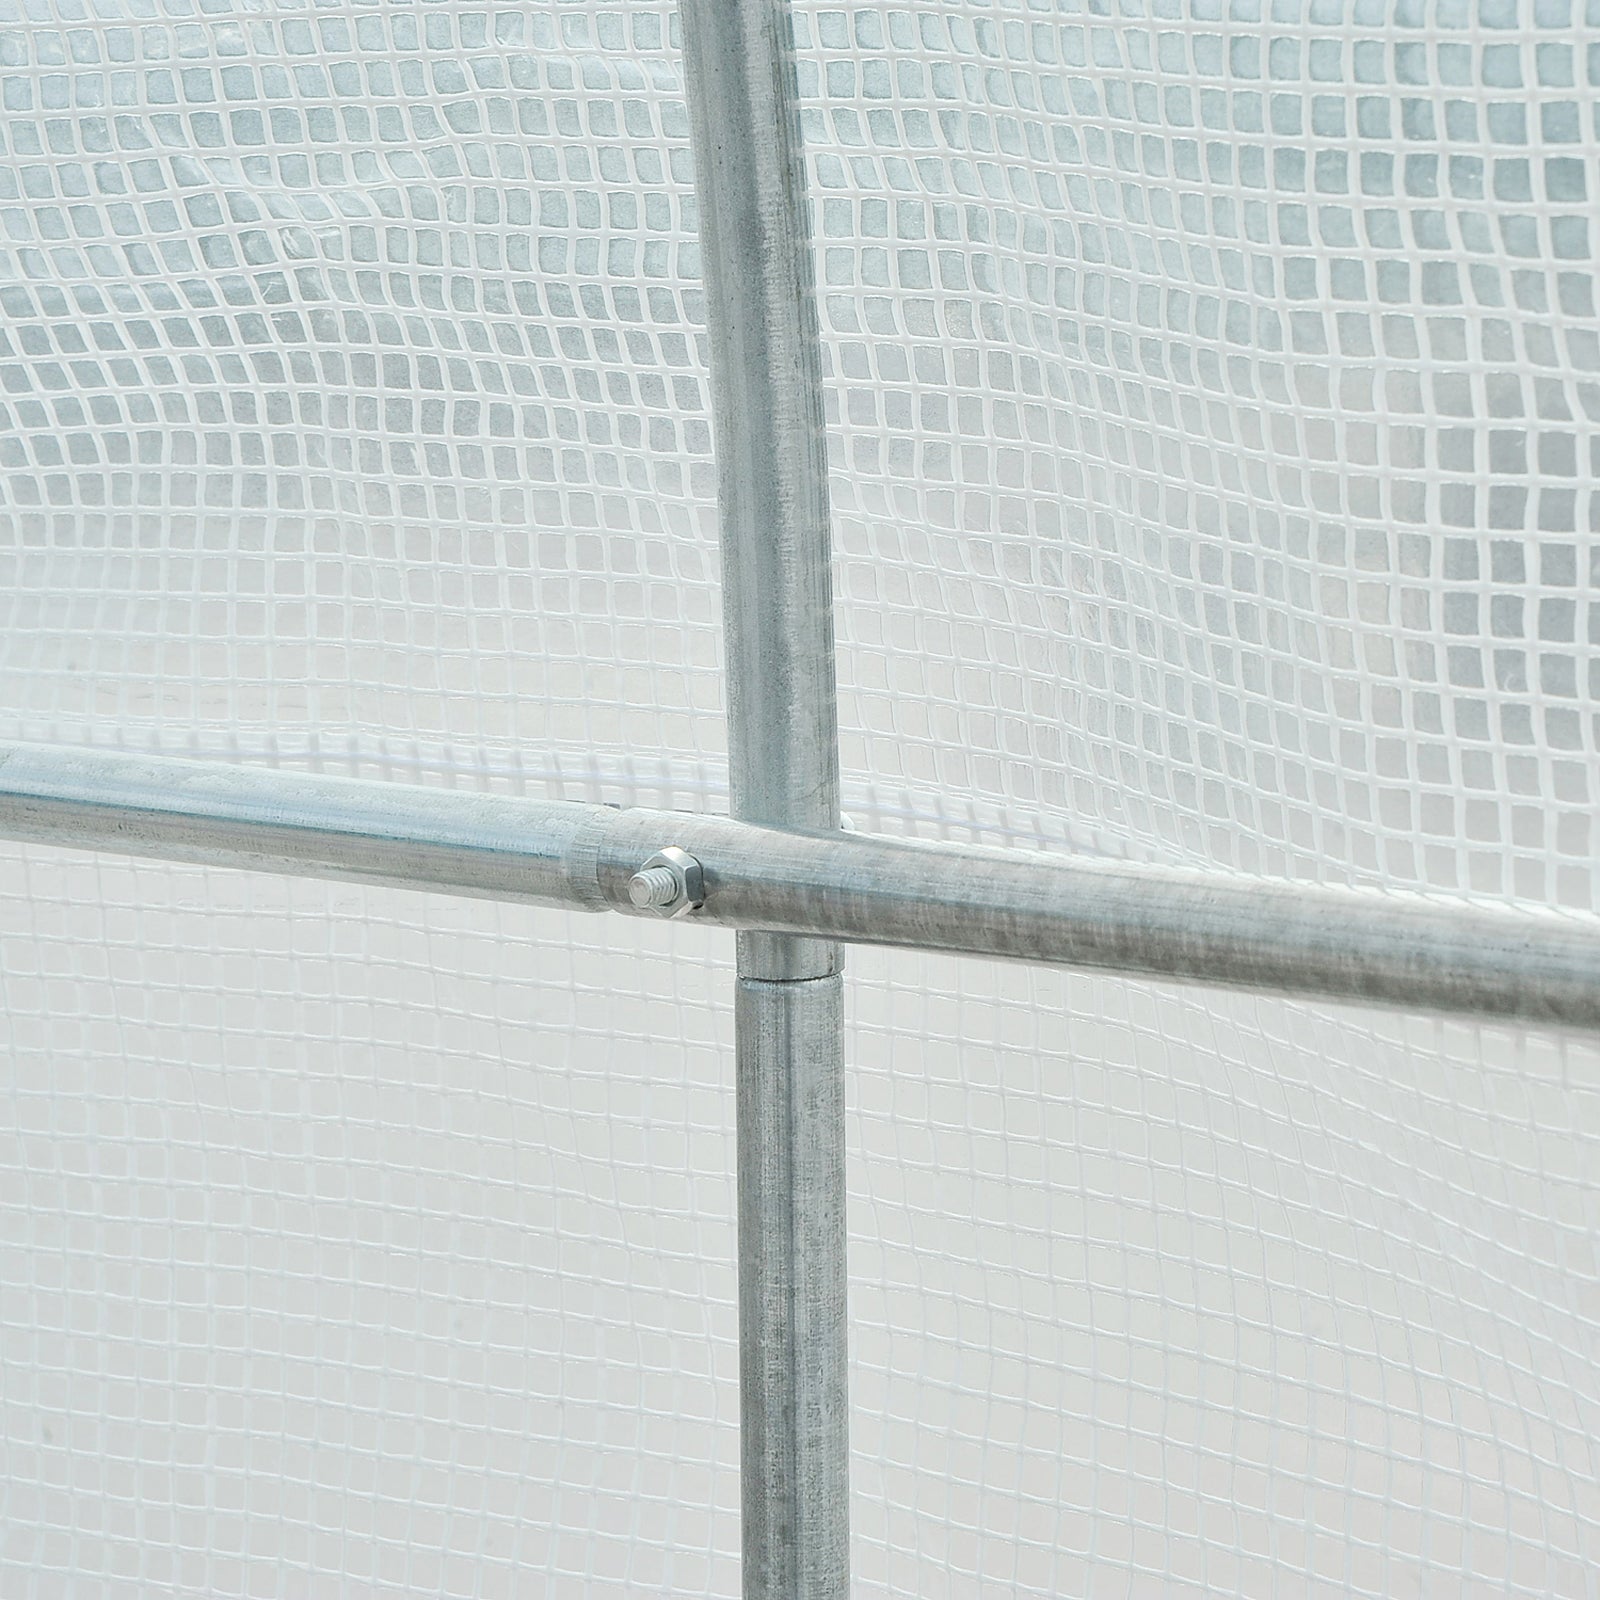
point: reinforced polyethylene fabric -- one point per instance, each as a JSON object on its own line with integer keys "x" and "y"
{"x": 1213, "y": 397}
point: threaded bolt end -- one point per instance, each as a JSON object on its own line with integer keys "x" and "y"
{"x": 653, "y": 889}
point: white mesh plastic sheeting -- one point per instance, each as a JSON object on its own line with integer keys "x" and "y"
{"x": 358, "y": 1242}
{"x": 1216, "y": 393}
{"x": 1156, "y": 1292}
{"x": 1213, "y": 393}
{"x": 354, "y": 410}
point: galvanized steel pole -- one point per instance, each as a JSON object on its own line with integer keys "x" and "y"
{"x": 783, "y": 752}
{"x": 1363, "y": 946}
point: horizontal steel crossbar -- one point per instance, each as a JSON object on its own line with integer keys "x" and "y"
{"x": 1281, "y": 938}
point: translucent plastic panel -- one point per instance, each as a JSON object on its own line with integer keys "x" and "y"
{"x": 358, "y": 1242}
{"x": 350, "y": 401}
{"x": 1157, "y": 1292}
{"x": 1215, "y": 394}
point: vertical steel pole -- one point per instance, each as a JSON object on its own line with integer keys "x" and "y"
{"x": 766, "y": 379}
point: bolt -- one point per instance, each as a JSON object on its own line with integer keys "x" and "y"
{"x": 653, "y": 889}
{"x": 670, "y": 883}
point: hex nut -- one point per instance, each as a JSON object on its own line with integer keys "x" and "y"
{"x": 670, "y": 884}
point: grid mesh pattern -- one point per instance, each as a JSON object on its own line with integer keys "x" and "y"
{"x": 365, "y": 343}
{"x": 1216, "y": 398}
{"x": 358, "y": 1242}
{"x": 1213, "y": 400}
{"x": 1161, "y": 1293}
